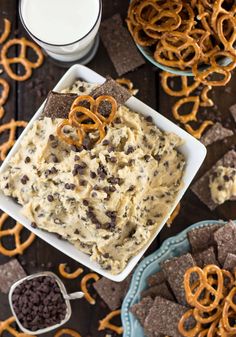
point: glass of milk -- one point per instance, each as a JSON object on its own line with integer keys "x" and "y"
{"x": 65, "y": 29}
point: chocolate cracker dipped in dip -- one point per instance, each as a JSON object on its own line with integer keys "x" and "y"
{"x": 107, "y": 200}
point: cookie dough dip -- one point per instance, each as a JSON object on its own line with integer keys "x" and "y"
{"x": 107, "y": 199}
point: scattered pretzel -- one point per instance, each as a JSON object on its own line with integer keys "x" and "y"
{"x": 22, "y": 58}
{"x": 185, "y": 90}
{"x": 11, "y": 126}
{"x": 4, "y": 95}
{"x": 190, "y": 116}
{"x": 173, "y": 215}
{"x": 105, "y": 323}
{"x": 205, "y": 100}
{"x": 15, "y": 231}
{"x": 6, "y": 326}
{"x": 128, "y": 84}
{"x": 71, "y": 276}
{"x": 197, "y": 133}
{"x": 6, "y": 31}
{"x": 69, "y": 332}
{"x": 85, "y": 279}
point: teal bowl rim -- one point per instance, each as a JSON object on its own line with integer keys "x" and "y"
{"x": 126, "y": 316}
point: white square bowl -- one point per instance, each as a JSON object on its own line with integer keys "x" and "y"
{"x": 192, "y": 149}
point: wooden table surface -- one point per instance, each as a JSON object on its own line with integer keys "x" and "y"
{"x": 26, "y": 97}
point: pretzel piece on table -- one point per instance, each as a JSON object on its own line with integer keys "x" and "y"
{"x": 21, "y": 59}
{"x": 16, "y": 232}
{"x": 68, "y": 332}
{"x": 197, "y": 133}
{"x": 11, "y": 126}
{"x": 105, "y": 323}
{"x": 6, "y": 31}
{"x": 204, "y": 99}
{"x": 85, "y": 279}
{"x": 190, "y": 116}
{"x": 71, "y": 276}
{"x": 173, "y": 215}
{"x": 5, "y": 91}
{"x": 185, "y": 90}
{"x": 6, "y": 326}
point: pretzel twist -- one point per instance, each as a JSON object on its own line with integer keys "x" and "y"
{"x": 22, "y": 59}
{"x": 5, "y": 326}
{"x": 105, "y": 323}
{"x": 70, "y": 276}
{"x": 197, "y": 133}
{"x": 190, "y": 116}
{"x": 12, "y": 127}
{"x": 68, "y": 332}
{"x": 16, "y": 232}
{"x": 85, "y": 279}
{"x": 6, "y": 31}
{"x": 185, "y": 89}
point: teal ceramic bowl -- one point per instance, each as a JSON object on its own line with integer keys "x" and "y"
{"x": 173, "y": 246}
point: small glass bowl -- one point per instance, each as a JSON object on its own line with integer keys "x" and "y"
{"x": 67, "y": 298}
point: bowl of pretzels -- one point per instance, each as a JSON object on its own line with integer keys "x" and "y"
{"x": 192, "y": 38}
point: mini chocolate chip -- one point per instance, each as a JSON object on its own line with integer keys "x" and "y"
{"x": 149, "y": 119}
{"x": 72, "y": 186}
{"x": 111, "y": 149}
{"x": 54, "y": 170}
{"x": 82, "y": 88}
{"x": 83, "y": 182}
{"x": 51, "y": 137}
{"x": 24, "y": 179}
{"x": 149, "y": 222}
{"x": 34, "y": 225}
{"x": 129, "y": 150}
{"x": 94, "y": 194}
{"x": 147, "y": 158}
{"x": 117, "y": 120}
{"x": 67, "y": 186}
{"x": 85, "y": 202}
{"x": 93, "y": 175}
{"x": 105, "y": 142}
{"x": 226, "y": 178}
{"x": 74, "y": 148}
{"x": 7, "y": 186}
{"x": 113, "y": 160}
{"x": 54, "y": 158}
{"x": 50, "y": 198}
{"x": 27, "y": 160}
{"x": 96, "y": 188}
{"x": 77, "y": 158}
{"x": 131, "y": 188}
{"x": 220, "y": 188}
{"x": 54, "y": 144}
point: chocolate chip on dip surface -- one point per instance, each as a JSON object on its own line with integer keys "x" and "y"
{"x": 38, "y": 303}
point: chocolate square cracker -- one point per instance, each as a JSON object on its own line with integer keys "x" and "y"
{"x": 112, "y": 88}
{"x": 164, "y": 317}
{"x": 10, "y": 272}
{"x": 158, "y": 290}
{"x": 206, "y": 257}
{"x": 225, "y": 238}
{"x": 232, "y": 110}
{"x": 156, "y": 278}
{"x": 202, "y": 238}
{"x": 201, "y": 186}
{"x": 215, "y": 133}
{"x": 230, "y": 262}
{"x": 141, "y": 309}
{"x": 112, "y": 292}
{"x": 174, "y": 270}
{"x": 120, "y": 45}
{"x": 58, "y": 105}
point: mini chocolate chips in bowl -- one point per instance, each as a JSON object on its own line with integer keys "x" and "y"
{"x": 40, "y": 303}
